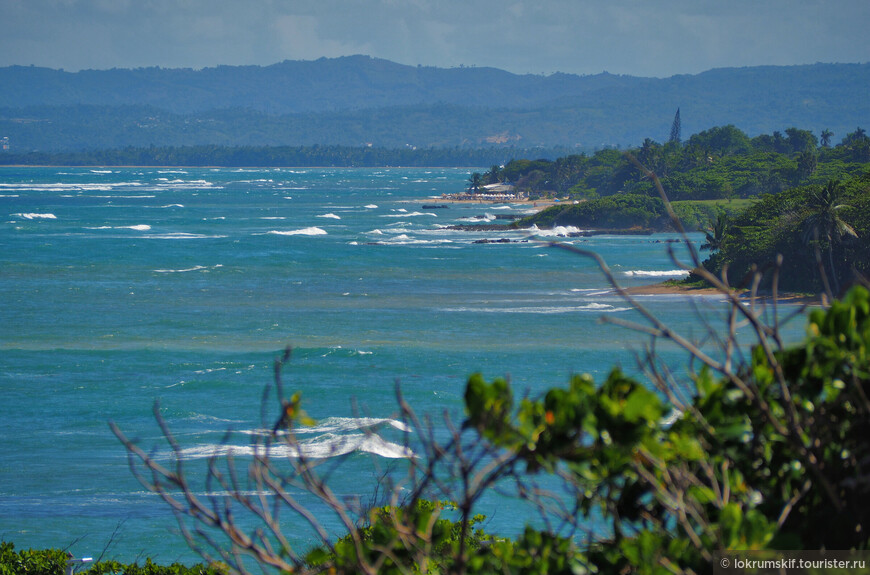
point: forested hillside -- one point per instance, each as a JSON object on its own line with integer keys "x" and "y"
{"x": 355, "y": 101}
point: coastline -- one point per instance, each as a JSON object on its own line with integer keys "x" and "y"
{"x": 539, "y": 204}
{"x": 670, "y": 289}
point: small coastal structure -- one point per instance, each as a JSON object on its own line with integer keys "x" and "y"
{"x": 489, "y": 193}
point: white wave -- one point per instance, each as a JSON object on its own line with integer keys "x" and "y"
{"x": 36, "y": 216}
{"x": 193, "y": 269}
{"x": 370, "y": 206}
{"x": 273, "y": 217}
{"x": 117, "y": 197}
{"x": 335, "y": 436}
{"x": 543, "y": 310}
{"x": 138, "y": 228}
{"x": 409, "y": 215}
{"x": 101, "y": 171}
{"x": 172, "y": 206}
{"x": 557, "y": 231}
{"x": 9, "y": 196}
{"x": 312, "y": 231}
{"x": 652, "y": 273}
{"x": 376, "y": 232}
{"x": 405, "y": 240}
{"x": 340, "y": 424}
{"x": 483, "y": 218}
{"x": 180, "y": 236}
{"x": 331, "y": 216}
{"x": 328, "y": 445}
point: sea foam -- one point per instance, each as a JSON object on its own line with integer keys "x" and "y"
{"x": 36, "y": 216}
{"x": 312, "y": 231}
{"x": 655, "y": 273}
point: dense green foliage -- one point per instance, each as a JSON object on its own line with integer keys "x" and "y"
{"x": 719, "y": 163}
{"x": 622, "y": 211}
{"x": 53, "y": 562}
{"x": 822, "y": 232}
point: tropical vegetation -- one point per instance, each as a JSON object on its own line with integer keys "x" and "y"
{"x": 754, "y": 198}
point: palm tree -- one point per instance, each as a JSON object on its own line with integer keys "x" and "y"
{"x": 714, "y": 235}
{"x": 826, "y": 138}
{"x": 474, "y": 182}
{"x": 823, "y": 221}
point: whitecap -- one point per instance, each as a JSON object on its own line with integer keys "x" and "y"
{"x": 543, "y": 310}
{"x": 193, "y": 269}
{"x": 483, "y": 218}
{"x": 371, "y": 206}
{"x": 409, "y": 215}
{"x": 331, "y": 441}
{"x": 556, "y": 231}
{"x": 312, "y": 231}
{"x": 36, "y": 216}
{"x": 331, "y": 216}
{"x": 654, "y": 273}
{"x": 138, "y": 228}
{"x": 180, "y": 236}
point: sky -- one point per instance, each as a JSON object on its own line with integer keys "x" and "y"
{"x": 637, "y": 37}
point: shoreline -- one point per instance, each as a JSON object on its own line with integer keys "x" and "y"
{"x": 783, "y": 297}
{"x": 540, "y": 204}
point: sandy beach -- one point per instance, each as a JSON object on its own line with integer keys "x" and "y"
{"x": 670, "y": 289}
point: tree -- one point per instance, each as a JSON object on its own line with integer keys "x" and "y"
{"x": 676, "y": 129}
{"x": 822, "y": 220}
{"x": 475, "y": 181}
{"x": 826, "y": 138}
{"x": 714, "y": 235}
{"x": 807, "y": 161}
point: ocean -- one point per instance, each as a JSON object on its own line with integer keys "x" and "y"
{"x": 124, "y": 287}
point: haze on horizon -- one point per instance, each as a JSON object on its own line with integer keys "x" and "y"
{"x": 632, "y": 37}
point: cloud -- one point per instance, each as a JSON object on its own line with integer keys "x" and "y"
{"x": 541, "y": 36}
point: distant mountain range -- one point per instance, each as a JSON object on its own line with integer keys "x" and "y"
{"x": 359, "y": 100}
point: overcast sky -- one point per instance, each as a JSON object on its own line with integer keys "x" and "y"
{"x": 637, "y": 37}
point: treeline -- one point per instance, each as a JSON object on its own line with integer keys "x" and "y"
{"x": 802, "y": 199}
{"x": 822, "y": 232}
{"x": 277, "y": 156}
{"x": 719, "y": 163}
{"x": 57, "y": 561}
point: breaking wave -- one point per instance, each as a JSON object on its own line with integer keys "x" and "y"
{"x": 312, "y": 231}
{"x": 36, "y": 216}
{"x": 653, "y": 273}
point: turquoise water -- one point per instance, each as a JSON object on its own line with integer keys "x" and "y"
{"x": 122, "y": 287}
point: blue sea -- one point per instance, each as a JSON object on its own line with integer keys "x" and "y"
{"x": 120, "y": 288}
